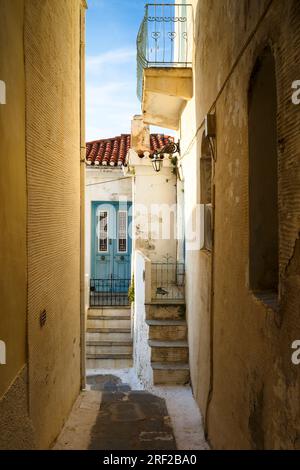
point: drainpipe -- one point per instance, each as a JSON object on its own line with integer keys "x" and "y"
{"x": 83, "y": 8}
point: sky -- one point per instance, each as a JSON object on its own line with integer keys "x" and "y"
{"x": 111, "y": 101}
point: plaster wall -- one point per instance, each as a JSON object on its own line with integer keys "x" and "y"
{"x": 241, "y": 350}
{"x": 14, "y": 431}
{"x": 13, "y": 192}
{"x": 141, "y": 348}
{"x": 154, "y": 211}
{"x": 52, "y": 67}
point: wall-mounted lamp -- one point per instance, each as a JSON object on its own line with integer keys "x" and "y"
{"x": 157, "y": 162}
{"x": 158, "y": 155}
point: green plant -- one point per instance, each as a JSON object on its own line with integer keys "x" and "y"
{"x": 131, "y": 291}
{"x": 174, "y": 161}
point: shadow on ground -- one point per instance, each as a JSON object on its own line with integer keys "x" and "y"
{"x": 129, "y": 420}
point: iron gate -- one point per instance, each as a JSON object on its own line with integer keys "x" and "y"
{"x": 109, "y": 292}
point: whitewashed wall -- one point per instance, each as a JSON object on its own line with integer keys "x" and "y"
{"x": 153, "y": 195}
{"x": 141, "y": 349}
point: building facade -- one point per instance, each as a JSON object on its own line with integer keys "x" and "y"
{"x": 239, "y": 142}
{"x": 120, "y": 179}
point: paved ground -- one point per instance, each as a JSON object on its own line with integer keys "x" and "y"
{"x": 111, "y": 416}
{"x": 132, "y": 421}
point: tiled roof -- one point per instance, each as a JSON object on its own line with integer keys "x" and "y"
{"x": 112, "y": 152}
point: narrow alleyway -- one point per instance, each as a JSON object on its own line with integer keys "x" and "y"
{"x": 116, "y": 413}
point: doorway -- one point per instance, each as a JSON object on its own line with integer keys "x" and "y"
{"x": 111, "y": 244}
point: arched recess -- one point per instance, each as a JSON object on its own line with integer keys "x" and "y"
{"x": 206, "y": 167}
{"x": 263, "y": 176}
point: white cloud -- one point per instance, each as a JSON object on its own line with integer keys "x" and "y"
{"x": 110, "y": 108}
{"x": 114, "y": 94}
{"x": 112, "y": 57}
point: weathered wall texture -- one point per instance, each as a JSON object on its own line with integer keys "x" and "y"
{"x": 13, "y": 431}
{"x": 141, "y": 348}
{"x": 16, "y": 427}
{"x": 154, "y": 210}
{"x": 255, "y": 388}
{"x": 52, "y": 53}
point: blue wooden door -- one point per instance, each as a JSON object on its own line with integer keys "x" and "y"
{"x": 111, "y": 246}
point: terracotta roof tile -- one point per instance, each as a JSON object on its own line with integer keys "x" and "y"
{"x": 112, "y": 152}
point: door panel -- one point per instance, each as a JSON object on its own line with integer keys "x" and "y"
{"x": 111, "y": 245}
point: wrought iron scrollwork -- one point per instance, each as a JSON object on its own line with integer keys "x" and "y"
{"x": 170, "y": 148}
{"x": 163, "y": 38}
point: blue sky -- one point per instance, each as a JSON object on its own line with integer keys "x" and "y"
{"x": 111, "y": 100}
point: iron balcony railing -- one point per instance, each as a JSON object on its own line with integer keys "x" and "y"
{"x": 164, "y": 38}
{"x": 168, "y": 280}
{"x": 109, "y": 292}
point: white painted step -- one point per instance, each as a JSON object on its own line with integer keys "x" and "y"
{"x": 108, "y": 347}
{"x": 112, "y": 335}
{"x": 109, "y": 311}
{"x": 108, "y": 363}
{"x": 103, "y": 321}
{"x": 109, "y": 356}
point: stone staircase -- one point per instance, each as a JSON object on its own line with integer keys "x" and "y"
{"x": 108, "y": 338}
{"x": 168, "y": 343}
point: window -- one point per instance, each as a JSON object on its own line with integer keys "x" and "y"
{"x": 263, "y": 179}
{"x": 206, "y": 192}
{"x": 122, "y": 231}
{"x": 103, "y": 236}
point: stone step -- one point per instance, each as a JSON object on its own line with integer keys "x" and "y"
{"x": 108, "y": 347}
{"x": 109, "y": 363}
{"x": 166, "y": 311}
{"x": 109, "y": 311}
{"x": 170, "y": 373}
{"x": 167, "y": 330}
{"x": 108, "y": 317}
{"x": 108, "y": 322}
{"x": 109, "y": 356}
{"x": 108, "y": 330}
{"x": 169, "y": 351}
{"x": 114, "y": 334}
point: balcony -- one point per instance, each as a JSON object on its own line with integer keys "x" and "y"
{"x": 164, "y": 63}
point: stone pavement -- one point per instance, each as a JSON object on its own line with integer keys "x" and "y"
{"x": 113, "y": 417}
{"x": 132, "y": 420}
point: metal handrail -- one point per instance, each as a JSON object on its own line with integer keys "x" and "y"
{"x": 164, "y": 38}
{"x": 168, "y": 280}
